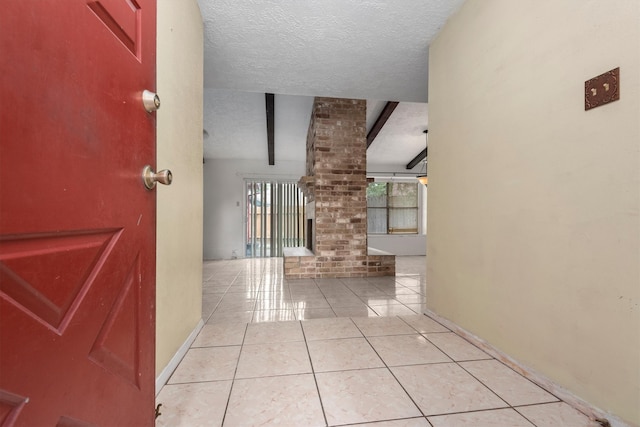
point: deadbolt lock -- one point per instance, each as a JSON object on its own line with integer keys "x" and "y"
{"x": 151, "y": 101}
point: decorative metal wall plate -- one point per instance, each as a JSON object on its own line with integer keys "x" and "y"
{"x": 602, "y": 89}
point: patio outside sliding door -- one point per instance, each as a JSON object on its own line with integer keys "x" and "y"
{"x": 275, "y": 217}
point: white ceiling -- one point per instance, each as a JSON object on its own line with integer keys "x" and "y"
{"x": 367, "y": 49}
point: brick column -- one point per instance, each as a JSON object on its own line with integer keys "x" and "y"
{"x": 337, "y": 182}
{"x": 339, "y": 147}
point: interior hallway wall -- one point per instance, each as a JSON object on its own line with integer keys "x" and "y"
{"x": 179, "y": 142}
{"x": 533, "y": 217}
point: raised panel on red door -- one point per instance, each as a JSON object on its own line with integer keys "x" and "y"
{"x": 77, "y": 226}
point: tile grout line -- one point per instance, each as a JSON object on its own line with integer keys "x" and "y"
{"x": 223, "y": 295}
{"x": 390, "y": 371}
{"x": 233, "y": 379}
{"x": 354, "y": 292}
{"x": 325, "y": 296}
{"x": 505, "y": 365}
{"x": 454, "y": 361}
{"x": 510, "y": 405}
{"x": 313, "y": 374}
{"x": 484, "y": 385}
{"x": 477, "y": 411}
{"x": 536, "y": 404}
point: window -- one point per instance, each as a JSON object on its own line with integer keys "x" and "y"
{"x": 392, "y": 208}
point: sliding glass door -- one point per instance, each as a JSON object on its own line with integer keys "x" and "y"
{"x": 275, "y": 217}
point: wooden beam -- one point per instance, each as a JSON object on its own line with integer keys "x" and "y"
{"x": 417, "y": 159}
{"x": 382, "y": 119}
{"x": 420, "y": 157}
{"x": 269, "y": 101}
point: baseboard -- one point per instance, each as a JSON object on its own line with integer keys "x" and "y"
{"x": 581, "y": 405}
{"x": 162, "y": 379}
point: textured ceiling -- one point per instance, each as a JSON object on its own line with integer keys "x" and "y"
{"x": 237, "y": 126}
{"x": 367, "y": 49}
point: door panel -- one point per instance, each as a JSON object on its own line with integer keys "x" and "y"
{"x": 123, "y": 19}
{"x": 77, "y": 226}
{"x": 47, "y": 276}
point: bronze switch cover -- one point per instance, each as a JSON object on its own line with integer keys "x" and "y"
{"x": 602, "y": 89}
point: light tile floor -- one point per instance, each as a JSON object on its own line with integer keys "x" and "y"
{"x": 340, "y": 352}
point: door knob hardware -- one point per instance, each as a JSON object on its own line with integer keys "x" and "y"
{"x": 150, "y": 178}
{"x": 151, "y": 101}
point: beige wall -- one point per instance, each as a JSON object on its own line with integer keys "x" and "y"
{"x": 533, "y": 202}
{"x": 179, "y": 235}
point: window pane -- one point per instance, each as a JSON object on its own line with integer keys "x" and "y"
{"x": 393, "y": 205}
{"x": 377, "y": 220}
{"x": 403, "y": 195}
{"x": 403, "y": 220}
{"x": 377, "y": 194}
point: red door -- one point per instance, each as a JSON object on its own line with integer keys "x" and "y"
{"x": 77, "y": 226}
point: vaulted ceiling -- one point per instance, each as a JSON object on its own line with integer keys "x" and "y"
{"x": 297, "y": 49}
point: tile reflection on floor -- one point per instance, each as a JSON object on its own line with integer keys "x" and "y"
{"x": 254, "y": 290}
{"x": 340, "y": 352}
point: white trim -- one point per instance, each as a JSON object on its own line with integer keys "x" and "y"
{"x": 162, "y": 379}
{"x": 579, "y": 404}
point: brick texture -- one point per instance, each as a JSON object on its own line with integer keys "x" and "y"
{"x": 336, "y": 182}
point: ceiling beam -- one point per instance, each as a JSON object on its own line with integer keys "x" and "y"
{"x": 417, "y": 159}
{"x": 382, "y": 119}
{"x": 269, "y": 103}
{"x": 420, "y": 157}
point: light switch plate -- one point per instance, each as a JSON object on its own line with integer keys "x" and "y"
{"x": 602, "y": 89}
